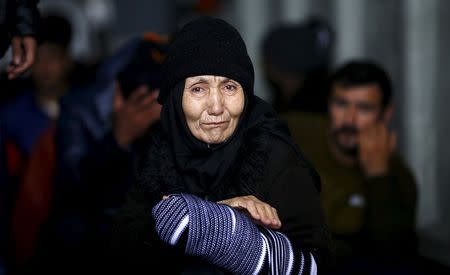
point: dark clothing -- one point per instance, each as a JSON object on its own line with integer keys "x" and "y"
{"x": 24, "y": 121}
{"x": 17, "y": 17}
{"x": 372, "y": 218}
{"x": 5, "y": 204}
{"x": 90, "y": 181}
{"x": 33, "y": 200}
{"x": 265, "y": 165}
{"x": 93, "y": 173}
{"x": 310, "y": 97}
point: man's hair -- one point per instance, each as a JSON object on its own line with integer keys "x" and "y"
{"x": 56, "y": 29}
{"x": 299, "y": 48}
{"x": 363, "y": 72}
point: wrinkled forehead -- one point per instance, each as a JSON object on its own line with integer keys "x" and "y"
{"x": 209, "y": 79}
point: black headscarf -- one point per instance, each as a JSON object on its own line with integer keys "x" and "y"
{"x": 204, "y": 166}
{"x": 181, "y": 162}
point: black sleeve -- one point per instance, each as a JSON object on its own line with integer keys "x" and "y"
{"x": 391, "y": 209}
{"x": 291, "y": 188}
{"x": 27, "y": 18}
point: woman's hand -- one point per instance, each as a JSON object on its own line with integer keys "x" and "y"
{"x": 260, "y": 211}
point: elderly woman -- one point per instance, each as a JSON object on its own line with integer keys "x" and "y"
{"x": 221, "y": 187}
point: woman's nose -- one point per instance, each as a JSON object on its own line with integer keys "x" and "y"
{"x": 215, "y": 102}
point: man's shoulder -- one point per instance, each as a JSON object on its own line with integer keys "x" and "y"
{"x": 23, "y": 98}
{"x": 88, "y": 108}
{"x": 84, "y": 95}
{"x": 19, "y": 107}
{"x": 400, "y": 166}
{"x": 91, "y": 100}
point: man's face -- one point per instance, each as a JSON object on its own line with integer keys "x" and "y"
{"x": 351, "y": 110}
{"x": 212, "y": 106}
{"x": 51, "y": 67}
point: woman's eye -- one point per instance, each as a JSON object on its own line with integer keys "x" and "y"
{"x": 196, "y": 90}
{"x": 230, "y": 87}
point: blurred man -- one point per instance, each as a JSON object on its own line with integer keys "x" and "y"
{"x": 18, "y": 26}
{"x": 368, "y": 192}
{"x": 96, "y": 137}
{"x": 296, "y": 59}
{"x": 24, "y": 118}
{"x": 38, "y": 107}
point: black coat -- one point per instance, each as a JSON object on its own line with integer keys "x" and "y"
{"x": 17, "y": 17}
{"x": 270, "y": 169}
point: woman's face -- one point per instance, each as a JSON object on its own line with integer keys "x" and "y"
{"x": 212, "y": 106}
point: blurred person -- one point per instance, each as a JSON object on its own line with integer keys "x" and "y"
{"x": 296, "y": 59}
{"x": 24, "y": 118}
{"x": 220, "y": 187}
{"x": 39, "y": 107}
{"x": 368, "y": 192}
{"x": 19, "y": 21}
{"x": 97, "y": 136}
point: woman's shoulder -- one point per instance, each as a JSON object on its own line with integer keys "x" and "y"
{"x": 153, "y": 137}
{"x": 286, "y": 156}
{"x": 275, "y": 140}
{"x": 285, "y": 153}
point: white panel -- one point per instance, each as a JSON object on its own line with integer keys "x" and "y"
{"x": 419, "y": 112}
{"x": 350, "y": 25}
{"x": 255, "y": 17}
{"x": 294, "y": 10}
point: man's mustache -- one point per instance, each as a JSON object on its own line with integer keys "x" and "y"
{"x": 346, "y": 129}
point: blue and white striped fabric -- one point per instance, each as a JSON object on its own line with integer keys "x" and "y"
{"x": 227, "y": 238}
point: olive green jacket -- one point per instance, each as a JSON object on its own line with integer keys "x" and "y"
{"x": 368, "y": 217}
